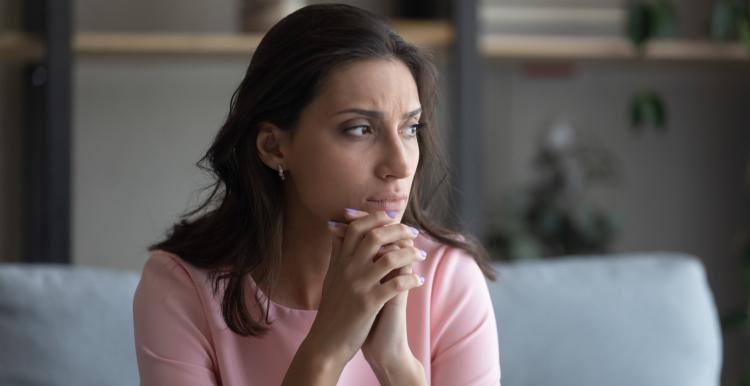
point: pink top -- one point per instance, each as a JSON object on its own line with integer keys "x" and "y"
{"x": 181, "y": 337}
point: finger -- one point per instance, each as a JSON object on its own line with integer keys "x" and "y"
{"x": 397, "y": 285}
{"x": 337, "y": 228}
{"x": 392, "y": 247}
{"x": 399, "y": 271}
{"x": 385, "y": 249}
{"x": 335, "y": 251}
{"x": 405, "y": 243}
{"x": 392, "y": 262}
{"x": 376, "y": 238}
{"x": 356, "y": 230}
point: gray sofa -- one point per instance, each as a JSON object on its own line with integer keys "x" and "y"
{"x": 640, "y": 319}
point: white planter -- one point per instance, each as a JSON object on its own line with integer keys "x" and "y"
{"x": 547, "y": 17}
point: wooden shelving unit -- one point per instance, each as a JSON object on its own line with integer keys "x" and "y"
{"x": 435, "y": 35}
{"x": 20, "y": 47}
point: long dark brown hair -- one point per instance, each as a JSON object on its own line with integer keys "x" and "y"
{"x": 236, "y": 231}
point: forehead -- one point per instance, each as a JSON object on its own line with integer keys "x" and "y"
{"x": 383, "y": 84}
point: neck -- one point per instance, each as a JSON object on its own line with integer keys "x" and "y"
{"x": 306, "y": 250}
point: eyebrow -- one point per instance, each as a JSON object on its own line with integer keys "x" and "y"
{"x": 378, "y": 114}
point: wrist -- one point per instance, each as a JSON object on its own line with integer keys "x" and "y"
{"x": 311, "y": 366}
{"x": 402, "y": 370}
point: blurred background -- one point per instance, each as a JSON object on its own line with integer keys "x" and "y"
{"x": 574, "y": 126}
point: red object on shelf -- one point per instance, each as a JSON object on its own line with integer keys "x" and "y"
{"x": 549, "y": 70}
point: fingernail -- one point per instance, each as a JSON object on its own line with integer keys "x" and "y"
{"x": 423, "y": 254}
{"x": 413, "y": 231}
{"x": 392, "y": 213}
{"x": 354, "y": 212}
{"x": 332, "y": 224}
{"x": 421, "y": 279}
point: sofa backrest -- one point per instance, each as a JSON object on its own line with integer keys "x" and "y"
{"x": 616, "y": 320}
{"x": 646, "y": 319}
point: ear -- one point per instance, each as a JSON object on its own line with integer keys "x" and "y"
{"x": 271, "y": 143}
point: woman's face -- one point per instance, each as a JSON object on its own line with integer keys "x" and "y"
{"x": 355, "y": 145}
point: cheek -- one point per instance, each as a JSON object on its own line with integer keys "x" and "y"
{"x": 414, "y": 157}
{"x": 327, "y": 183}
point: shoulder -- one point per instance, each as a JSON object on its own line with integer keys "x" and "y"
{"x": 168, "y": 264}
{"x": 167, "y": 275}
{"x": 171, "y": 323}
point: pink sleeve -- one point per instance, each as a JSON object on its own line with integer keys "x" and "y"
{"x": 464, "y": 333}
{"x": 171, "y": 331}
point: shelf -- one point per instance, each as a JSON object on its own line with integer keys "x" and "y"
{"x": 16, "y": 46}
{"x": 607, "y": 48}
{"x": 164, "y": 44}
{"x": 427, "y": 34}
{"x": 434, "y": 35}
{"x": 430, "y": 34}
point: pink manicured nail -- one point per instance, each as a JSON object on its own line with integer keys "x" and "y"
{"x": 423, "y": 254}
{"x": 413, "y": 231}
{"x": 391, "y": 213}
{"x": 421, "y": 279}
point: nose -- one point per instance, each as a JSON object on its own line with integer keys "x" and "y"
{"x": 395, "y": 156}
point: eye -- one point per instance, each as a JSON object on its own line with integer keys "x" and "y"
{"x": 411, "y": 131}
{"x": 358, "y": 131}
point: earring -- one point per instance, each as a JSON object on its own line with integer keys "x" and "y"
{"x": 281, "y": 171}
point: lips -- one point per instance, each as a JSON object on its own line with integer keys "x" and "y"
{"x": 389, "y": 197}
{"x": 387, "y": 202}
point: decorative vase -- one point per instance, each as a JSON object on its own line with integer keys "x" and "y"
{"x": 260, "y": 15}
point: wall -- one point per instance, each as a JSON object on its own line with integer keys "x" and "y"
{"x": 684, "y": 189}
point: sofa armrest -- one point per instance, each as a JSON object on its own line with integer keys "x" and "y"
{"x": 66, "y": 325}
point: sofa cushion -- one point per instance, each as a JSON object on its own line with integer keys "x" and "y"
{"x": 63, "y": 325}
{"x": 617, "y": 320}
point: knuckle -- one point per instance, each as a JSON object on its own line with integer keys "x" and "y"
{"x": 389, "y": 259}
{"x": 355, "y": 228}
{"x": 400, "y": 283}
{"x": 376, "y": 236}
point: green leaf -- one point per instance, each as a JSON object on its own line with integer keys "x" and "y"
{"x": 744, "y": 27}
{"x": 745, "y": 380}
{"x": 636, "y": 116}
{"x": 664, "y": 19}
{"x": 733, "y": 320}
{"x": 723, "y": 20}
{"x": 660, "y": 112}
{"x": 639, "y": 28}
{"x": 648, "y": 109}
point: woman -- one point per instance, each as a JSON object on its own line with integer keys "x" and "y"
{"x": 313, "y": 261}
